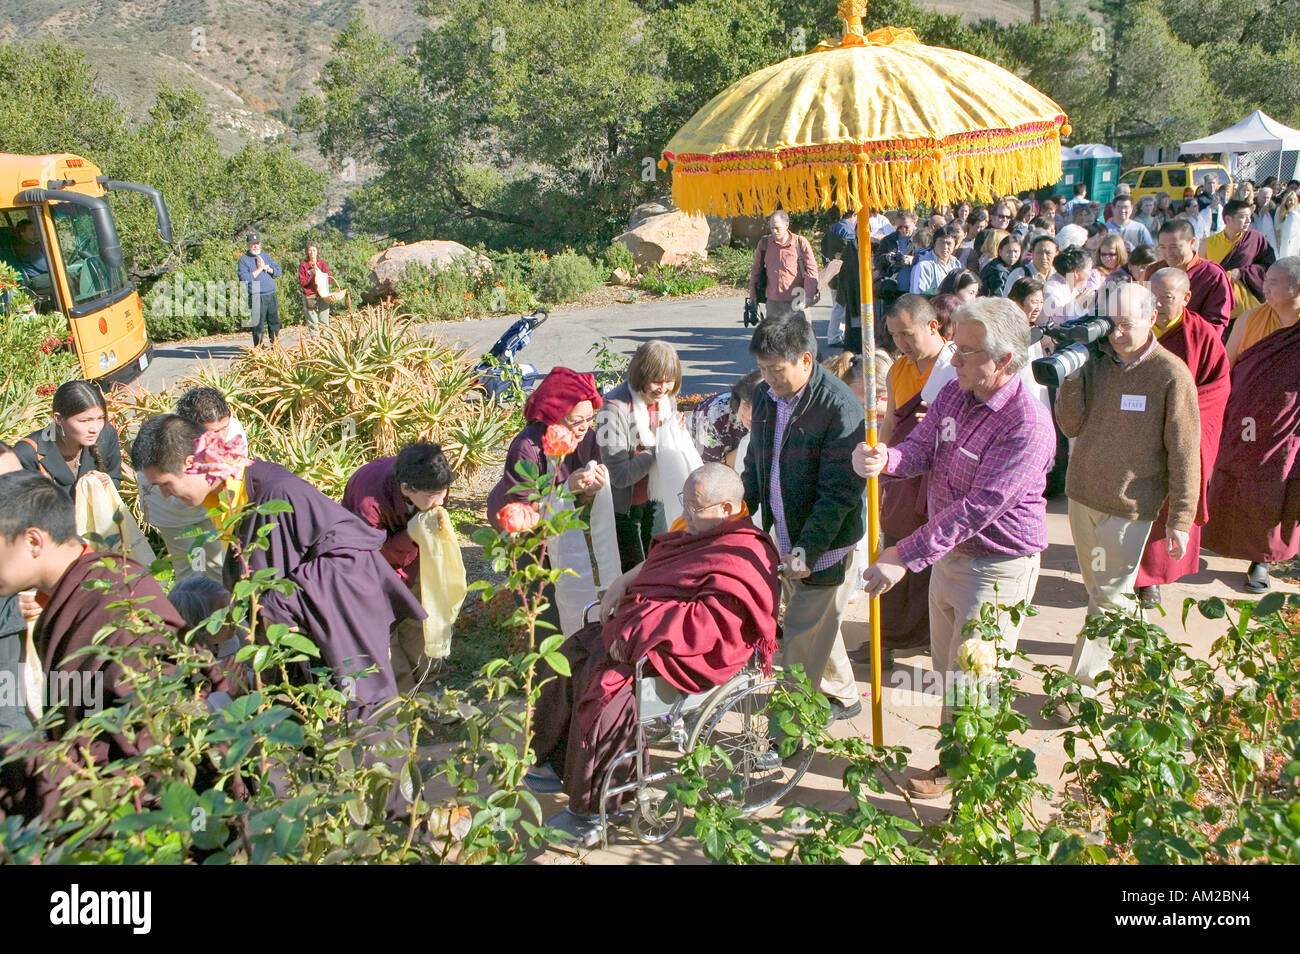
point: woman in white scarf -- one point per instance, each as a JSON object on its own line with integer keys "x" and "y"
{"x": 646, "y": 448}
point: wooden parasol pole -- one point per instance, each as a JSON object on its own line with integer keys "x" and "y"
{"x": 873, "y": 485}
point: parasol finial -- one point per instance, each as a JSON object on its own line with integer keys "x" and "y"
{"x": 852, "y": 13}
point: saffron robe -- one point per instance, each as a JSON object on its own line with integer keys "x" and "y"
{"x": 1255, "y": 489}
{"x": 1198, "y": 343}
{"x": 697, "y": 611}
{"x": 348, "y": 597}
{"x": 1252, "y": 255}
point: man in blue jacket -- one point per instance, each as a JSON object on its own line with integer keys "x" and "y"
{"x": 257, "y": 275}
{"x": 799, "y": 470}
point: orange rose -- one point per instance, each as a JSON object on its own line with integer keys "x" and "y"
{"x": 559, "y": 441}
{"x": 517, "y": 517}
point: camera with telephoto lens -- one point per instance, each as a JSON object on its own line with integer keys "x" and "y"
{"x": 1076, "y": 345}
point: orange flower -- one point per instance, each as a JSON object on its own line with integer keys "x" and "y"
{"x": 559, "y": 441}
{"x": 517, "y": 517}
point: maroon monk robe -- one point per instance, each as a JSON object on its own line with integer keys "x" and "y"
{"x": 348, "y": 597}
{"x": 373, "y": 495}
{"x": 72, "y": 616}
{"x": 1255, "y": 489}
{"x": 1211, "y": 291}
{"x": 700, "y": 607}
{"x": 905, "y": 608}
{"x": 1197, "y": 342}
{"x": 1252, "y": 255}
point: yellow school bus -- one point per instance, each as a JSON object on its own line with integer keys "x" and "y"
{"x": 57, "y": 230}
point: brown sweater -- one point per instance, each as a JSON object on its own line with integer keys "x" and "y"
{"x": 1137, "y": 434}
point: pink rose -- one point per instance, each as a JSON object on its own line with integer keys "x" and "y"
{"x": 217, "y": 458}
{"x": 559, "y": 441}
{"x": 516, "y": 517}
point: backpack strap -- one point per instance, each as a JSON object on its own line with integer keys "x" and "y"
{"x": 37, "y": 451}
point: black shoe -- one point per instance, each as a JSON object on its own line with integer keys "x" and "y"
{"x": 1148, "y": 596}
{"x": 840, "y": 711}
{"x": 1257, "y": 578}
{"x": 863, "y": 655}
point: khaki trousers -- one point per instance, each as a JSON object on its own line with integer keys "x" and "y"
{"x": 812, "y": 634}
{"x": 203, "y": 555}
{"x": 1109, "y": 550}
{"x": 959, "y": 586}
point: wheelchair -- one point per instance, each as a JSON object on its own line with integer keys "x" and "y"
{"x": 733, "y": 717}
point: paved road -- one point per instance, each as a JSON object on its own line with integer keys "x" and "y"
{"x": 706, "y": 332}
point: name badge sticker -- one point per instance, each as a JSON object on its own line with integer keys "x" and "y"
{"x": 1133, "y": 402}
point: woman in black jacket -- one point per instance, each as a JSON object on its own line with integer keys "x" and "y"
{"x": 77, "y": 441}
{"x": 993, "y": 279}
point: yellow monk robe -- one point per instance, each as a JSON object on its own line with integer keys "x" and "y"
{"x": 1217, "y": 247}
{"x": 1260, "y": 322}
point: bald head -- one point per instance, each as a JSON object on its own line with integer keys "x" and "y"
{"x": 713, "y": 494}
{"x": 1172, "y": 291}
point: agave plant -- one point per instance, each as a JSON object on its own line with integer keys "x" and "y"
{"x": 478, "y": 437}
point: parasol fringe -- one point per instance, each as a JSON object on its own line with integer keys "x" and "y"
{"x": 734, "y": 186}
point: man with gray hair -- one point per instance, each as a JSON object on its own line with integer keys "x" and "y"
{"x": 987, "y": 444}
{"x": 784, "y": 273}
{"x": 1133, "y": 415}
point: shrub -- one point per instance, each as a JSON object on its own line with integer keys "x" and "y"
{"x": 732, "y": 265}
{"x": 443, "y": 294}
{"x": 566, "y": 277}
{"x": 619, "y": 255}
{"x": 677, "y": 279}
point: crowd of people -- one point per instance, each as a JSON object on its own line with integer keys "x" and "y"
{"x": 705, "y": 529}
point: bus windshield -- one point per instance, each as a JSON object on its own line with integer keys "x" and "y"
{"x": 89, "y": 278}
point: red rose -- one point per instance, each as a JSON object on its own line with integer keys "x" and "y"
{"x": 559, "y": 441}
{"x": 516, "y": 517}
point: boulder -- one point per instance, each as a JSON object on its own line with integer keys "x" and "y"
{"x": 748, "y": 229}
{"x": 719, "y": 231}
{"x": 648, "y": 210}
{"x": 622, "y": 276}
{"x": 387, "y": 267}
{"x": 671, "y": 238}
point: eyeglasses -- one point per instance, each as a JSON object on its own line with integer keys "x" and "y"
{"x": 959, "y": 356}
{"x": 681, "y": 498}
{"x": 580, "y": 422}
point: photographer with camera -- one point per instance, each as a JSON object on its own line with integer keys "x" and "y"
{"x": 1133, "y": 415}
{"x": 784, "y": 273}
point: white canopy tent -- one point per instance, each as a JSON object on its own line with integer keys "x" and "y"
{"x": 1257, "y": 133}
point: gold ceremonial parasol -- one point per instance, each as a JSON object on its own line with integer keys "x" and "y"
{"x": 876, "y": 121}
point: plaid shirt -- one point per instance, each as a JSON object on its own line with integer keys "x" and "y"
{"x": 988, "y": 463}
{"x": 784, "y": 409}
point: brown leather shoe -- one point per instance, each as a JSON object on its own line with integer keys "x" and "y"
{"x": 931, "y": 784}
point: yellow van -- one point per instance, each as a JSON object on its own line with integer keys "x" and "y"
{"x": 1173, "y": 177}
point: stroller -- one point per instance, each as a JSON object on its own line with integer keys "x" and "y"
{"x": 499, "y": 374}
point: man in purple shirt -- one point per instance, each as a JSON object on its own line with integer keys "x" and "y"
{"x": 987, "y": 444}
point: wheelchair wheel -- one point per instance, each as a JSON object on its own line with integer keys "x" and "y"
{"x": 737, "y": 723}
{"x": 649, "y": 824}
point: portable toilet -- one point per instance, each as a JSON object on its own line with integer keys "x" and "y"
{"x": 1071, "y": 172}
{"x": 1095, "y": 165}
{"x": 1100, "y": 170}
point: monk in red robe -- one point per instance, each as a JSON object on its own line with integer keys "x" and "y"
{"x": 1243, "y": 253}
{"x": 1255, "y": 488}
{"x": 40, "y": 550}
{"x": 1188, "y": 335}
{"x": 699, "y": 606}
{"x": 1211, "y": 296}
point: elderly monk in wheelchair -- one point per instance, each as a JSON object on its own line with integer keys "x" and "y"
{"x": 697, "y": 609}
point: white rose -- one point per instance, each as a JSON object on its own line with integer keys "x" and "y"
{"x": 978, "y": 657}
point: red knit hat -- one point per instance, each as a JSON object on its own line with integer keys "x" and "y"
{"x": 558, "y": 393}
